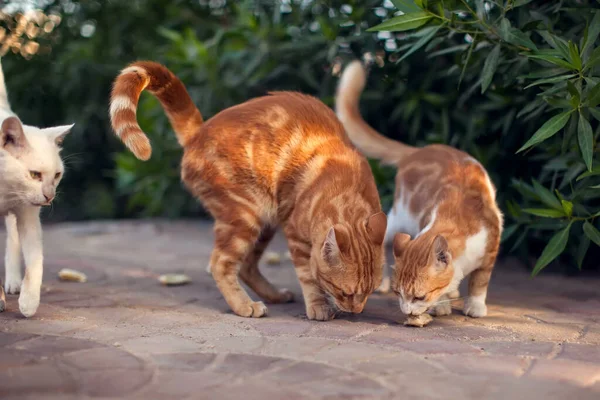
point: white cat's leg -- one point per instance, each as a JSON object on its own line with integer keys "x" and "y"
{"x": 12, "y": 258}
{"x": 30, "y": 234}
{"x": 478, "y": 284}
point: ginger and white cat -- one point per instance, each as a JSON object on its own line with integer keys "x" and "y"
{"x": 282, "y": 159}
{"x": 30, "y": 171}
{"x": 445, "y": 223}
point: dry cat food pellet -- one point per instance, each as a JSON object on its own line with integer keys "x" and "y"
{"x": 174, "y": 279}
{"x": 71, "y": 275}
{"x": 272, "y": 258}
{"x": 418, "y": 320}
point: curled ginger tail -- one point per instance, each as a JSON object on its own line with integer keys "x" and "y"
{"x": 370, "y": 142}
{"x": 167, "y": 88}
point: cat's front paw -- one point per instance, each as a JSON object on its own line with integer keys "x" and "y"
{"x": 254, "y": 309}
{"x": 441, "y": 309}
{"x": 475, "y": 308}
{"x": 12, "y": 285}
{"x": 320, "y": 312}
{"x": 28, "y": 303}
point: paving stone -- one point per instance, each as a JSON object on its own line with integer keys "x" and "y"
{"x": 574, "y": 372}
{"x": 123, "y": 335}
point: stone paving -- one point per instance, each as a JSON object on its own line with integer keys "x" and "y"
{"x": 123, "y": 335}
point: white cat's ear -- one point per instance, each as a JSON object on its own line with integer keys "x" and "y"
{"x": 335, "y": 242}
{"x": 57, "y": 133}
{"x": 400, "y": 242}
{"x": 12, "y": 133}
{"x": 441, "y": 252}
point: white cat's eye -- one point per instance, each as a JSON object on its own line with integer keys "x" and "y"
{"x": 57, "y": 175}
{"x": 35, "y": 175}
{"x": 421, "y": 298}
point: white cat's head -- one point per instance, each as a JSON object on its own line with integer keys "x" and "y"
{"x": 32, "y": 164}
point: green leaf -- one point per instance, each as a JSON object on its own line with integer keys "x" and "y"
{"x": 582, "y": 249}
{"x": 553, "y": 60}
{"x": 574, "y": 55}
{"x": 404, "y": 22}
{"x": 594, "y": 59}
{"x": 489, "y": 68}
{"x": 595, "y": 171}
{"x": 422, "y": 41}
{"x": 567, "y": 207}
{"x": 593, "y": 96}
{"x": 546, "y": 196}
{"x": 544, "y": 73}
{"x": 515, "y": 36}
{"x": 519, "y": 3}
{"x": 545, "y": 212}
{"x": 508, "y": 232}
{"x": 593, "y": 31}
{"x": 406, "y": 6}
{"x": 551, "y": 80}
{"x": 591, "y": 232}
{"x": 469, "y": 53}
{"x": 586, "y": 141}
{"x": 595, "y": 113}
{"x": 547, "y": 130}
{"x": 553, "y": 249}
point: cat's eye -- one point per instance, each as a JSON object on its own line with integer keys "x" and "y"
{"x": 57, "y": 175}
{"x": 35, "y": 175}
{"x": 420, "y": 298}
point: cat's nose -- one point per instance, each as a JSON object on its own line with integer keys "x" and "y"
{"x": 48, "y": 198}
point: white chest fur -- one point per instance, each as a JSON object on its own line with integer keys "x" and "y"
{"x": 400, "y": 219}
{"x": 471, "y": 257}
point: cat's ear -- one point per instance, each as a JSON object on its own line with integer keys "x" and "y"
{"x": 376, "y": 225}
{"x": 441, "y": 254}
{"x": 400, "y": 242}
{"x": 57, "y": 133}
{"x": 12, "y": 134}
{"x": 335, "y": 242}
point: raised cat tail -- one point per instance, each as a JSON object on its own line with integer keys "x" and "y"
{"x": 365, "y": 138}
{"x": 167, "y": 88}
{"x": 4, "y": 104}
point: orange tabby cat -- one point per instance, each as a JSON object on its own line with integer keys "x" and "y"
{"x": 279, "y": 159}
{"x": 444, "y": 200}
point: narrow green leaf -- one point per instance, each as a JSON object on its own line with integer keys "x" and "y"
{"x": 595, "y": 113}
{"x": 508, "y": 232}
{"x": 561, "y": 47}
{"x": 544, "y": 73}
{"x": 489, "y": 68}
{"x": 594, "y": 59}
{"x": 449, "y": 50}
{"x": 519, "y": 3}
{"x": 586, "y": 141}
{"x": 515, "y": 36}
{"x": 464, "y": 68}
{"x": 582, "y": 249}
{"x": 553, "y": 60}
{"x": 593, "y": 31}
{"x": 546, "y": 196}
{"x": 574, "y": 55}
{"x": 545, "y": 212}
{"x": 595, "y": 171}
{"x": 591, "y": 232}
{"x": 551, "y": 80}
{"x": 421, "y": 42}
{"x": 593, "y": 96}
{"x": 406, "y": 6}
{"x": 553, "y": 249}
{"x": 547, "y": 130}
{"x": 595, "y": 187}
{"x": 404, "y": 22}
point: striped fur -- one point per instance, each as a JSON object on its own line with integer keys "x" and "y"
{"x": 282, "y": 159}
{"x": 445, "y": 223}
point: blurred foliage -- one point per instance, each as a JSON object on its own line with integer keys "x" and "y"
{"x": 457, "y": 73}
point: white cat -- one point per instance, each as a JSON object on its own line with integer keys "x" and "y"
{"x": 30, "y": 171}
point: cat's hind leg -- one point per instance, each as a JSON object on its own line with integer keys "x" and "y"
{"x": 252, "y": 276}
{"x": 233, "y": 242}
{"x": 12, "y": 257}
